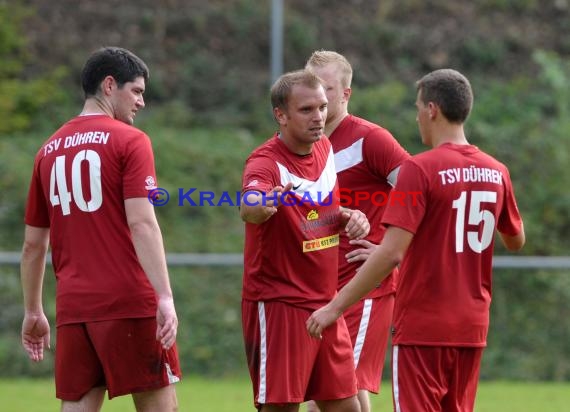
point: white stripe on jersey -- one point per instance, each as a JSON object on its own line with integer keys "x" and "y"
{"x": 318, "y": 189}
{"x": 367, "y": 308}
{"x": 351, "y": 156}
{"x": 262, "y": 354}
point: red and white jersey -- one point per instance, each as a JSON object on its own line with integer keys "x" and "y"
{"x": 455, "y": 198}
{"x": 365, "y": 155}
{"x": 293, "y": 256}
{"x": 81, "y": 177}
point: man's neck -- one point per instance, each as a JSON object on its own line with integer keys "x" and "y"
{"x": 330, "y": 127}
{"x": 295, "y": 147}
{"x": 450, "y": 133}
{"x": 94, "y": 105}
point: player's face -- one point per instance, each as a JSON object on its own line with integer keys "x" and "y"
{"x": 303, "y": 122}
{"x": 128, "y": 100}
{"x": 337, "y": 95}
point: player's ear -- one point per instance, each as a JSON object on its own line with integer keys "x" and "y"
{"x": 107, "y": 85}
{"x": 347, "y": 92}
{"x": 433, "y": 109}
{"x": 280, "y": 116}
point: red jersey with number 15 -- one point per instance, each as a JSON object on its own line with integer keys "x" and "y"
{"x": 444, "y": 293}
{"x": 292, "y": 257}
{"x": 81, "y": 177}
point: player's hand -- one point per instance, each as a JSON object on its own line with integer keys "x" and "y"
{"x": 275, "y": 197}
{"x": 356, "y": 223}
{"x": 166, "y": 322}
{"x": 258, "y": 207}
{"x": 35, "y": 335}
{"x": 362, "y": 253}
{"x": 321, "y": 319}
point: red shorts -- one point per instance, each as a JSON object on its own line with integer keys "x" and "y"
{"x": 430, "y": 379}
{"x": 286, "y": 364}
{"x": 122, "y": 355}
{"x": 368, "y": 323}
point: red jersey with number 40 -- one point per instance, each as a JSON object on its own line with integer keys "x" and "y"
{"x": 444, "y": 292}
{"x": 81, "y": 177}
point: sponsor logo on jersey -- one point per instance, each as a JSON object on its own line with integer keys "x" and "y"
{"x": 150, "y": 183}
{"x": 253, "y": 183}
{"x": 320, "y": 243}
{"x": 313, "y": 215}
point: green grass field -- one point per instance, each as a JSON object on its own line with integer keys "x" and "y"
{"x": 234, "y": 395}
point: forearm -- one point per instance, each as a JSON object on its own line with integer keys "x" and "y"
{"x": 147, "y": 240}
{"x": 253, "y": 208}
{"x": 32, "y": 267}
{"x": 514, "y": 243}
{"x": 379, "y": 265}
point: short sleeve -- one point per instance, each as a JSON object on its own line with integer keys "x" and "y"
{"x": 382, "y": 152}
{"x": 139, "y": 175}
{"x": 37, "y": 212}
{"x": 510, "y": 220}
{"x": 407, "y": 203}
{"x": 260, "y": 174}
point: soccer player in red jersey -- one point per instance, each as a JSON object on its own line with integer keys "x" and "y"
{"x": 293, "y": 219}
{"x": 444, "y": 244}
{"x": 367, "y": 160}
{"x": 89, "y": 200}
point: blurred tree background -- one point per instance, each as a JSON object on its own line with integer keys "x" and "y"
{"x": 208, "y": 107}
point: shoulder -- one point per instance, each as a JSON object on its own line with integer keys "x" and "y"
{"x": 127, "y": 130}
{"x": 266, "y": 150}
{"x": 491, "y": 160}
{"x": 265, "y": 157}
{"x": 374, "y": 135}
{"x": 368, "y": 128}
{"x": 423, "y": 161}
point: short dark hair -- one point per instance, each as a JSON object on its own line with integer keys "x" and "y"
{"x": 281, "y": 89}
{"x": 123, "y": 65}
{"x": 450, "y": 90}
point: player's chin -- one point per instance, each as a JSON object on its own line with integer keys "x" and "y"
{"x": 130, "y": 120}
{"x": 316, "y": 134}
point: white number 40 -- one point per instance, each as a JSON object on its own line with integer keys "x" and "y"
{"x": 59, "y": 194}
{"x": 475, "y": 218}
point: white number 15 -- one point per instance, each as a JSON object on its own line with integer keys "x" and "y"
{"x": 475, "y": 218}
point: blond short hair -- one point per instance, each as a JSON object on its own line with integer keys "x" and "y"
{"x": 321, "y": 58}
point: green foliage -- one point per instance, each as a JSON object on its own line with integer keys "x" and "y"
{"x": 528, "y": 339}
{"x": 521, "y": 114}
{"x": 519, "y": 6}
{"x": 209, "y": 310}
{"x": 206, "y": 161}
{"x": 16, "y": 161}
{"x": 391, "y": 105}
{"x": 11, "y": 43}
{"x": 23, "y": 98}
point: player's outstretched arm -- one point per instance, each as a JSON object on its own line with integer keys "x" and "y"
{"x": 147, "y": 240}
{"x": 35, "y": 327}
{"x": 257, "y": 207}
{"x": 381, "y": 262}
